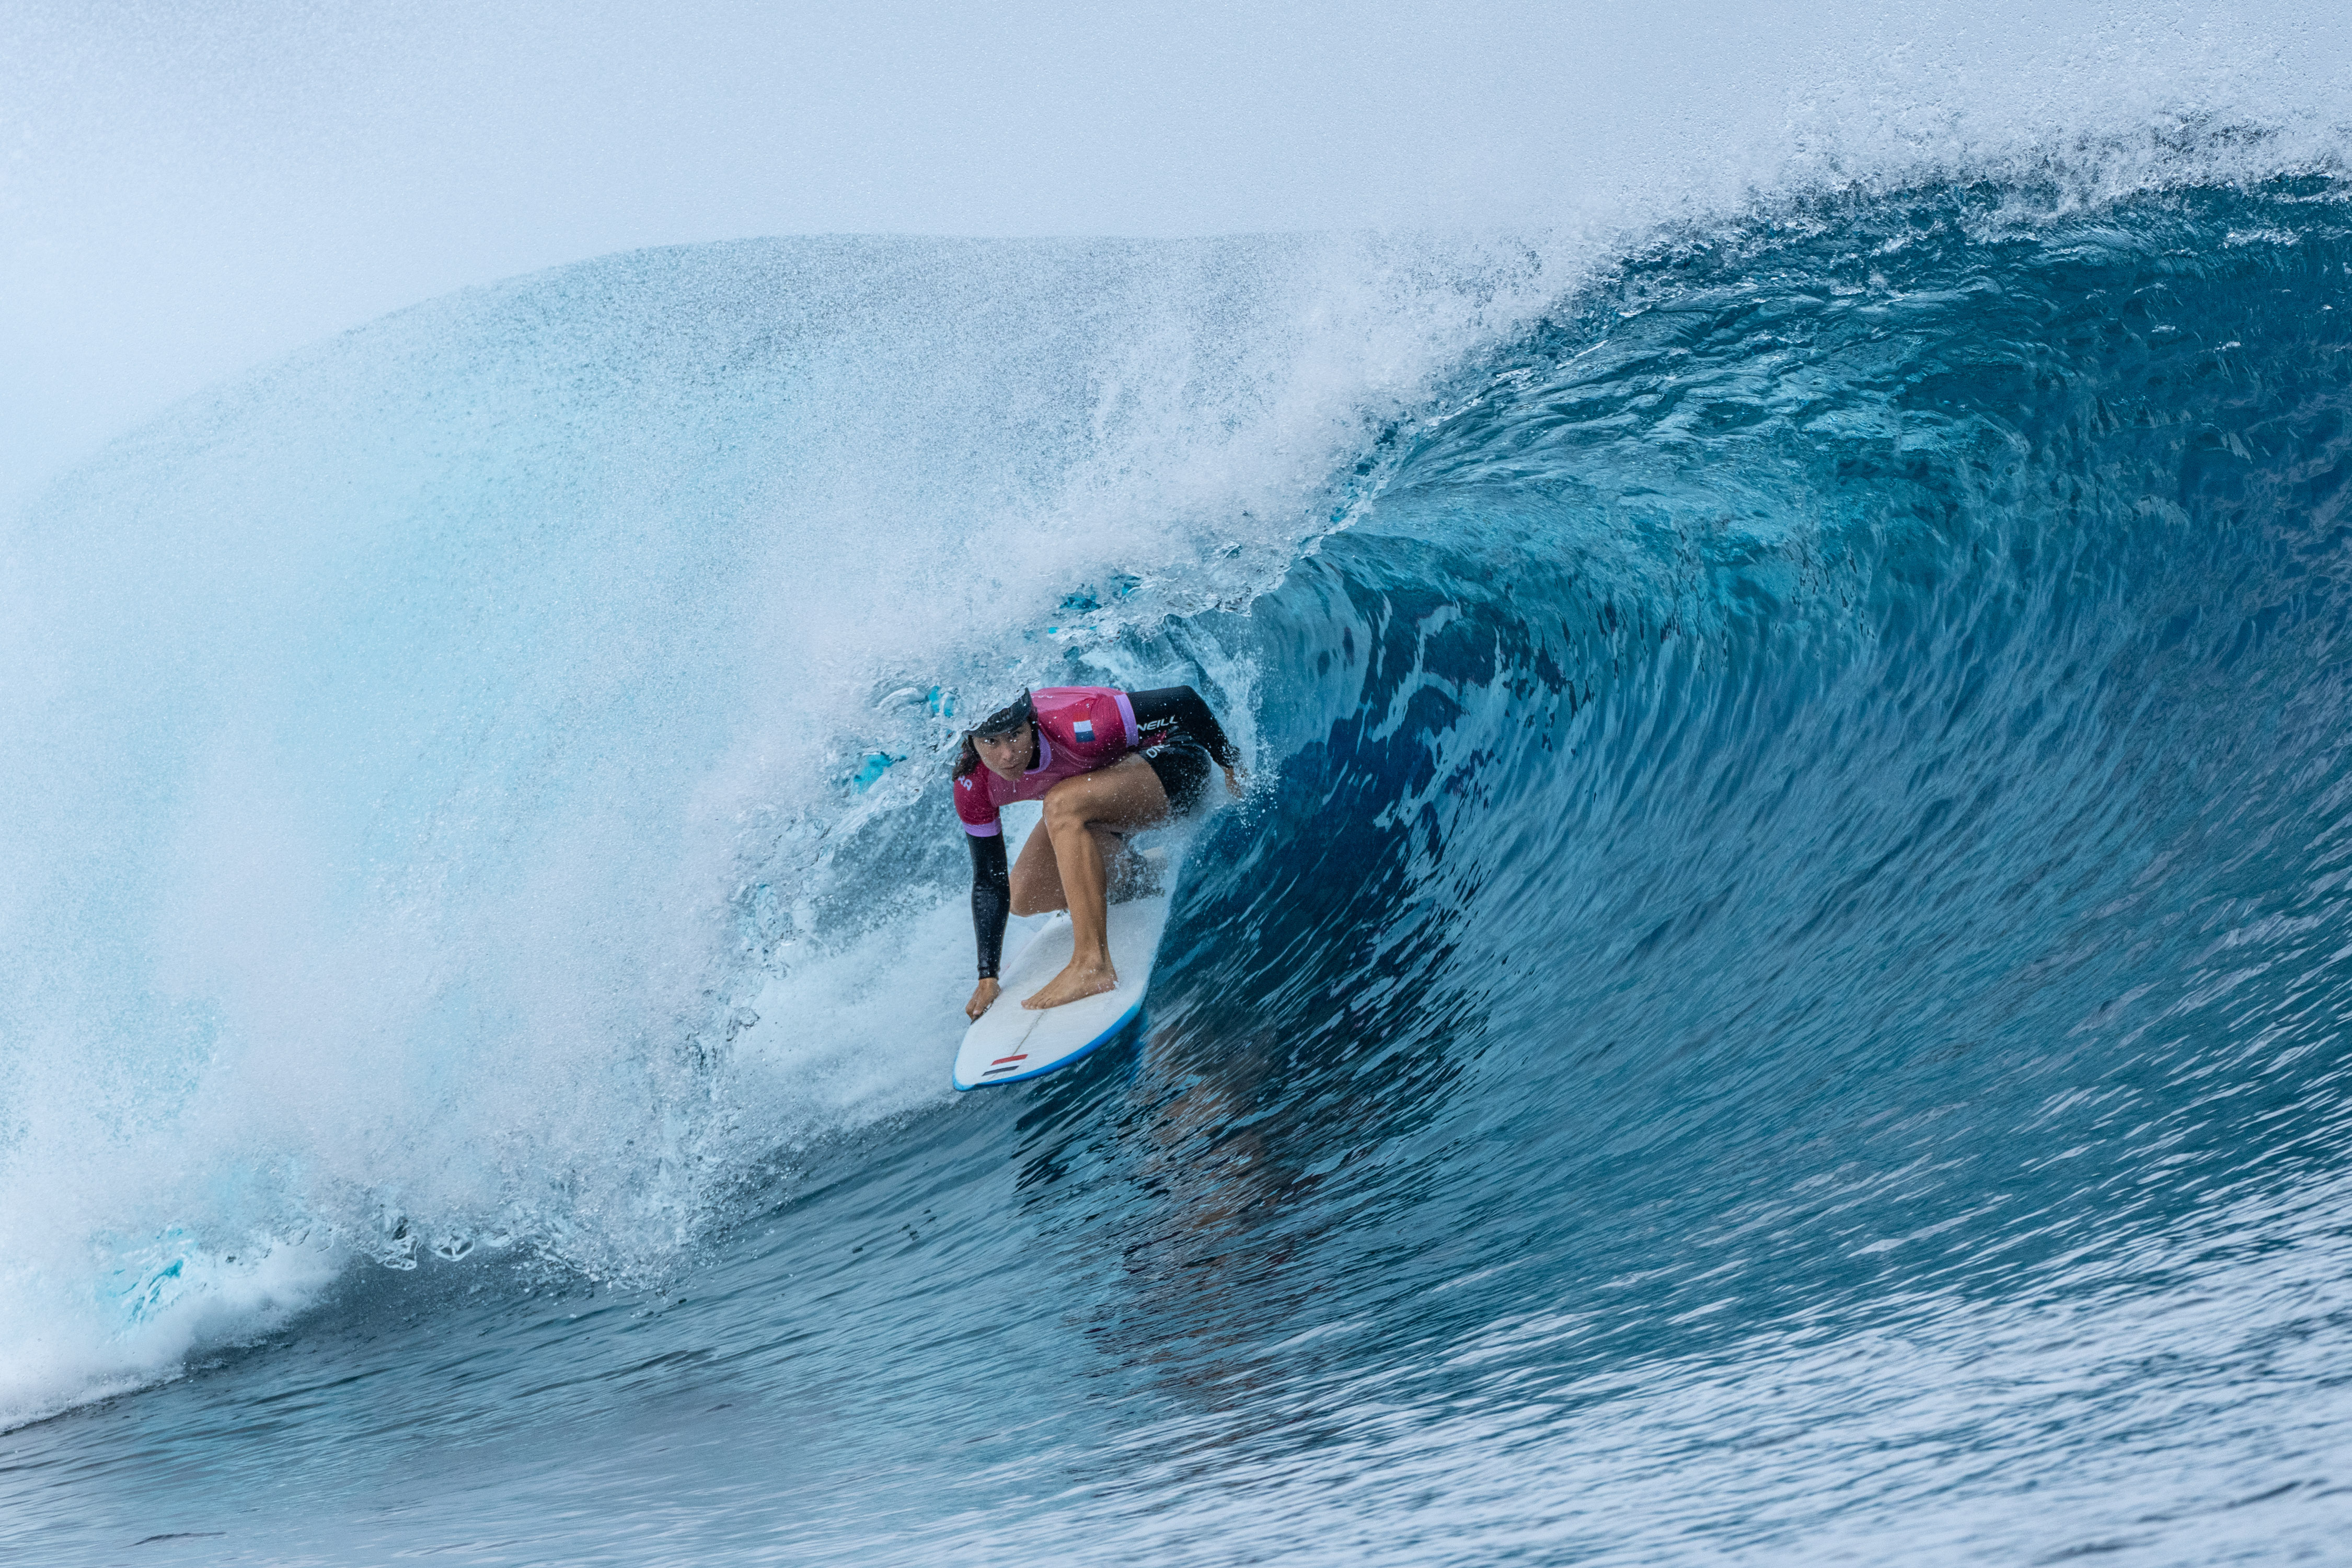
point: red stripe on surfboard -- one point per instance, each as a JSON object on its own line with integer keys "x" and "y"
{"x": 1001, "y": 1060}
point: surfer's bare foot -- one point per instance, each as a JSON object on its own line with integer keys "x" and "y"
{"x": 1076, "y": 980}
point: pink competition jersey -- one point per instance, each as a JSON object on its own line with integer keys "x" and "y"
{"x": 1079, "y": 729}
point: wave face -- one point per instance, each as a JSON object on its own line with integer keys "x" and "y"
{"x": 1779, "y": 989}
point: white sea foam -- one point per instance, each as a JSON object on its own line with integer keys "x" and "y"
{"x": 429, "y": 755}
{"x": 122, "y": 1313}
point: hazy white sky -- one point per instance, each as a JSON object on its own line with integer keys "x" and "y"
{"x": 187, "y": 189}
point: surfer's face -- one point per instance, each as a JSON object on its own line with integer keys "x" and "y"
{"x": 1004, "y": 755}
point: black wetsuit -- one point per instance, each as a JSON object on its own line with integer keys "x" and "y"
{"x": 1179, "y": 737}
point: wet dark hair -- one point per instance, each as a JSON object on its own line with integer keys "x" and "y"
{"x": 1003, "y": 721}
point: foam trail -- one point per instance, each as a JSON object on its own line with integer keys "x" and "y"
{"x": 400, "y": 733}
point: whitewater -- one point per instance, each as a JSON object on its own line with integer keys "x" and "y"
{"x": 1778, "y": 990}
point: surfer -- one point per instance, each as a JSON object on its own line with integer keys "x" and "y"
{"x": 1107, "y": 764}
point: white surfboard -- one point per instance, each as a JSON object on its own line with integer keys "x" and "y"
{"x": 1010, "y": 1041}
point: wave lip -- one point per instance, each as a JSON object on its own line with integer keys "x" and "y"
{"x": 1784, "y": 996}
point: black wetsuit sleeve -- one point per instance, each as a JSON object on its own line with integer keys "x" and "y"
{"x": 992, "y": 899}
{"x": 1179, "y": 708}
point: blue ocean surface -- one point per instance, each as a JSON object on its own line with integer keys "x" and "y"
{"x": 1778, "y": 994}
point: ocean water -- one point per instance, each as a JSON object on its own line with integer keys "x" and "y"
{"x": 1778, "y": 992}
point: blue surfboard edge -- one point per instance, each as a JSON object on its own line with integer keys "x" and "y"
{"x": 1081, "y": 1054}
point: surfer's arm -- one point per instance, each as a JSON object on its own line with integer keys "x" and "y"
{"x": 992, "y": 899}
{"x": 1180, "y": 707}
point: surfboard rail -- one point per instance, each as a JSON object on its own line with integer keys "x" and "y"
{"x": 1015, "y": 1068}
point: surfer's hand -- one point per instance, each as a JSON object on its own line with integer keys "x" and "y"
{"x": 981, "y": 995}
{"x": 1234, "y": 781}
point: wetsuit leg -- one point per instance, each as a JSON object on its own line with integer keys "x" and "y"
{"x": 1180, "y": 708}
{"x": 1183, "y": 770}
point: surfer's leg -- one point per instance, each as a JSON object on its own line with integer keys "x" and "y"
{"x": 1125, "y": 795}
{"x": 1037, "y": 877}
{"x": 1036, "y": 881}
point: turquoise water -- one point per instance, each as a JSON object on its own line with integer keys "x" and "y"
{"x": 1778, "y": 991}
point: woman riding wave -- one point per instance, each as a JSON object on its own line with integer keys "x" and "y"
{"x": 1107, "y": 764}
